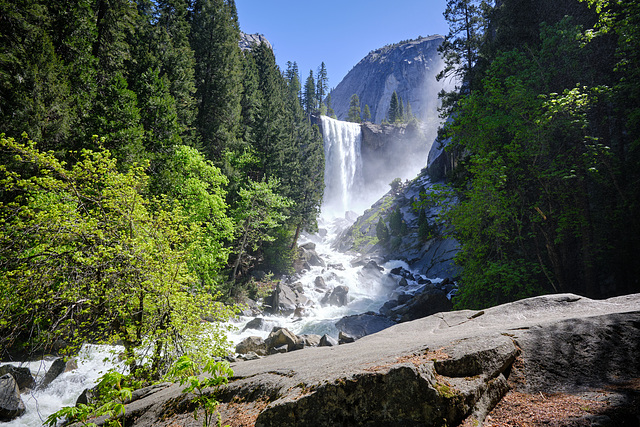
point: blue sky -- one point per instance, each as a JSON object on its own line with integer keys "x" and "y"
{"x": 340, "y": 33}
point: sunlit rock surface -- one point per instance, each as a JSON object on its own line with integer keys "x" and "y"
{"x": 409, "y": 68}
{"x": 439, "y": 370}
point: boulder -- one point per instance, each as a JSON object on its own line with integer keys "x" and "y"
{"x": 345, "y": 338}
{"x": 310, "y": 340}
{"x": 22, "y": 375}
{"x": 282, "y": 336}
{"x": 11, "y": 404}
{"x": 259, "y": 324}
{"x": 286, "y": 297}
{"x": 423, "y": 304}
{"x": 359, "y": 325}
{"x": 320, "y": 284}
{"x": 338, "y": 296}
{"x": 253, "y": 344}
{"x": 307, "y": 254}
{"x": 327, "y": 341}
{"x": 87, "y": 397}
{"x": 58, "y": 367}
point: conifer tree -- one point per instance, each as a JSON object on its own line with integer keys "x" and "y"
{"x": 322, "y": 84}
{"x": 366, "y": 114}
{"x": 310, "y": 100}
{"x": 354, "y": 109}
{"x": 460, "y": 49}
{"x": 394, "y": 113}
{"x": 214, "y": 38}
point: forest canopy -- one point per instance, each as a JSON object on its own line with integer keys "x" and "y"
{"x": 138, "y": 141}
{"x": 543, "y": 139}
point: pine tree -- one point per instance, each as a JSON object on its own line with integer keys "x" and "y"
{"x": 354, "y": 109}
{"x": 322, "y": 84}
{"x": 310, "y": 100}
{"x": 293, "y": 81}
{"x": 460, "y": 49}
{"x": 366, "y": 114}
{"x": 394, "y": 113}
{"x": 214, "y": 38}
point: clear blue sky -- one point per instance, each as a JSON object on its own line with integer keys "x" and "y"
{"x": 338, "y": 32}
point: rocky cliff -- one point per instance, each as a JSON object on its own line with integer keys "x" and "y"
{"x": 409, "y": 68}
{"x": 248, "y": 40}
{"x": 446, "y": 369}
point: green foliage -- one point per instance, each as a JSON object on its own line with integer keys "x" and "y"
{"x": 396, "y": 185}
{"x": 85, "y": 256}
{"x": 540, "y": 181}
{"x": 353, "y": 115}
{"x": 382, "y": 232}
{"x": 259, "y": 213}
{"x": 366, "y": 113}
{"x": 218, "y": 373}
{"x": 309, "y": 96}
{"x": 397, "y": 226}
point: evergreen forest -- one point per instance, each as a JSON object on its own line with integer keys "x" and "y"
{"x": 543, "y": 141}
{"x": 148, "y": 166}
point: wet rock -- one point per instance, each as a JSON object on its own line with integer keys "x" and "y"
{"x": 359, "y": 325}
{"x": 259, "y": 324}
{"x": 403, "y": 282}
{"x": 58, "y": 367}
{"x": 307, "y": 254}
{"x": 339, "y": 267}
{"x": 386, "y": 308}
{"x": 426, "y": 303}
{"x": 338, "y": 296}
{"x": 320, "y": 283}
{"x": 372, "y": 265}
{"x": 22, "y": 375}
{"x": 327, "y": 341}
{"x": 286, "y": 297}
{"x": 249, "y": 356}
{"x": 11, "y": 404}
{"x": 252, "y": 344}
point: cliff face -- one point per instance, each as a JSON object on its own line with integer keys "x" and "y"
{"x": 407, "y": 68}
{"x": 248, "y": 40}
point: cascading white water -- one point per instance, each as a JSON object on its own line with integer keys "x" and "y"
{"x": 344, "y": 191}
{"x": 343, "y": 166}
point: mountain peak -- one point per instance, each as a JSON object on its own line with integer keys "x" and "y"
{"x": 408, "y": 68}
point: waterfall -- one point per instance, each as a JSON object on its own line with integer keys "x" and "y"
{"x": 343, "y": 166}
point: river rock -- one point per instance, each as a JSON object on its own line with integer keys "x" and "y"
{"x": 391, "y": 378}
{"x": 259, "y": 324}
{"x": 359, "y": 325}
{"x": 310, "y": 340}
{"x": 286, "y": 297}
{"x": 327, "y": 341}
{"x": 345, "y": 338}
{"x": 22, "y": 375}
{"x": 253, "y": 344}
{"x": 320, "y": 284}
{"x": 283, "y": 337}
{"x": 58, "y": 367}
{"x": 307, "y": 253}
{"x": 423, "y": 304}
{"x": 11, "y": 404}
{"x": 338, "y": 296}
